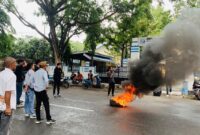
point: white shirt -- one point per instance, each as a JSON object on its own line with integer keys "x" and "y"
{"x": 29, "y": 78}
{"x": 40, "y": 80}
{"x": 8, "y": 83}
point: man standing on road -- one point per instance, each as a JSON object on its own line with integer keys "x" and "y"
{"x": 57, "y": 78}
{"x": 111, "y": 81}
{"x": 40, "y": 87}
{"x": 20, "y": 78}
{"x": 7, "y": 94}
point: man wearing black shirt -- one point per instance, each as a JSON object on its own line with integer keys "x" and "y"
{"x": 19, "y": 72}
{"x": 57, "y": 78}
{"x": 37, "y": 66}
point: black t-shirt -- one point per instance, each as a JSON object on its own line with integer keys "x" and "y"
{"x": 90, "y": 76}
{"x": 57, "y": 74}
{"x": 37, "y": 68}
{"x": 19, "y": 72}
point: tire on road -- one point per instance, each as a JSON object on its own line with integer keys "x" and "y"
{"x": 157, "y": 92}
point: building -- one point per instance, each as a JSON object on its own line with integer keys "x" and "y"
{"x": 83, "y": 59}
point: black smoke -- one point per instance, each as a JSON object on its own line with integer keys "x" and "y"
{"x": 177, "y": 51}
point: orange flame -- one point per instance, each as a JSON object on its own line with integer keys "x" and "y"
{"x": 128, "y": 96}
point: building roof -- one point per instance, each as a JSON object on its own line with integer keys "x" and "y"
{"x": 87, "y": 57}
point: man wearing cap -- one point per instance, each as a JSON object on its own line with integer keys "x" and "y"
{"x": 40, "y": 87}
{"x": 7, "y": 94}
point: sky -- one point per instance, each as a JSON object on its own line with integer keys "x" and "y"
{"x": 28, "y": 10}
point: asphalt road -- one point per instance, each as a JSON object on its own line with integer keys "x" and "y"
{"x": 87, "y": 112}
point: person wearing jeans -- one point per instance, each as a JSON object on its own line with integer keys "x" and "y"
{"x": 7, "y": 94}
{"x": 19, "y": 72}
{"x": 29, "y": 91}
{"x": 40, "y": 87}
{"x": 4, "y": 123}
{"x": 29, "y": 104}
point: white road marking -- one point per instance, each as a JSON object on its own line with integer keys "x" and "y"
{"x": 80, "y": 101}
{"x": 71, "y": 107}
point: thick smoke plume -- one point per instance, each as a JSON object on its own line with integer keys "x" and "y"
{"x": 172, "y": 57}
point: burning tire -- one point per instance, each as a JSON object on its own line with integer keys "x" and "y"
{"x": 157, "y": 92}
{"x": 114, "y": 103}
{"x": 123, "y": 99}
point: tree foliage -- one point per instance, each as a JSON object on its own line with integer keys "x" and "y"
{"x": 131, "y": 24}
{"x": 4, "y": 21}
{"x": 67, "y": 18}
{"x": 142, "y": 20}
{"x": 181, "y": 4}
{"x": 32, "y": 48}
{"x": 93, "y": 36}
{"x": 6, "y": 40}
{"x": 160, "y": 19}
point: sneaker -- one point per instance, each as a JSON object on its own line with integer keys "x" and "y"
{"x": 26, "y": 115}
{"x": 38, "y": 121}
{"x": 54, "y": 95}
{"x": 33, "y": 116}
{"x": 20, "y": 105}
{"x": 21, "y": 102}
{"x": 52, "y": 121}
{"x": 59, "y": 95}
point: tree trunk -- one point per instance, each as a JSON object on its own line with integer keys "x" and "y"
{"x": 92, "y": 59}
{"x": 122, "y": 55}
{"x": 57, "y": 56}
{"x": 54, "y": 40}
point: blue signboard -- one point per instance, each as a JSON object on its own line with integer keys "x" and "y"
{"x": 135, "y": 49}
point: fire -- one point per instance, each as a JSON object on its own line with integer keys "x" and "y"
{"x": 125, "y": 98}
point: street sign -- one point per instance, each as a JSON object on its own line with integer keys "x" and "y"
{"x": 135, "y": 49}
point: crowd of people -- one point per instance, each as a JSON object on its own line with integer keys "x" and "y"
{"x": 33, "y": 79}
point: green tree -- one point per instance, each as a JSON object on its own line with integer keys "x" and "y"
{"x": 181, "y": 4}
{"x": 32, "y": 48}
{"x": 131, "y": 24}
{"x": 92, "y": 39}
{"x": 66, "y": 18}
{"x": 160, "y": 19}
{"x": 142, "y": 20}
{"x": 6, "y": 40}
{"x": 76, "y": 46}
{"x": 93, "y": 36}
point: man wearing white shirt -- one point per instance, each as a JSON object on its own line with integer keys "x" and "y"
{"x": 40, "y": 86}
{"x": 7, "y": 94}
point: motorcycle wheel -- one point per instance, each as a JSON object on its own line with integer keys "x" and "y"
{"x": 198, "y": 95}
{"x": 66, "y": 85}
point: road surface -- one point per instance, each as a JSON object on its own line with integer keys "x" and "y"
{"x": 87, "y": 112}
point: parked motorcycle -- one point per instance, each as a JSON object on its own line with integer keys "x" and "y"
{"x": 64, "y": 82}
{"x": 196, "y": 88}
